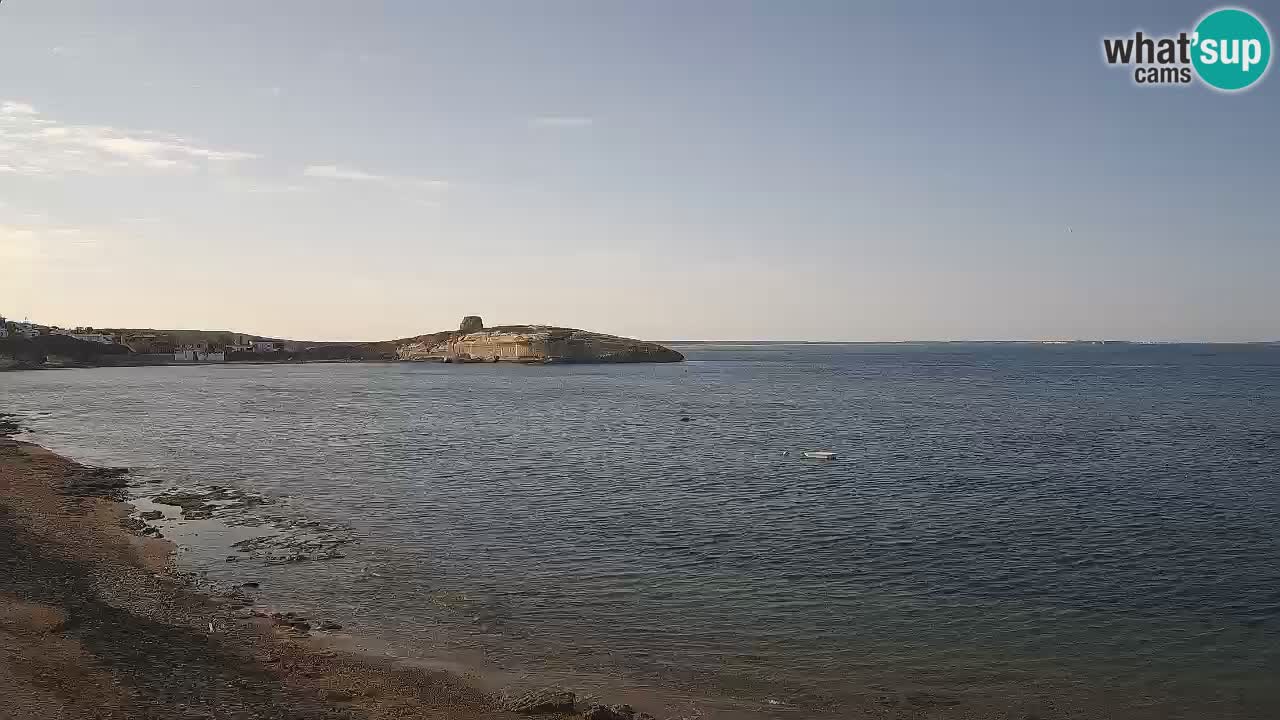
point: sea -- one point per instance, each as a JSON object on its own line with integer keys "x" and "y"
{"x": 1008, "y": 530}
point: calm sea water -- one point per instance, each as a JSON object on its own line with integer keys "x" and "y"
{"x": 1067, "y": 526}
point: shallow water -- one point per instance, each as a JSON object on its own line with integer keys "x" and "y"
{"x": 1093, "y": 525}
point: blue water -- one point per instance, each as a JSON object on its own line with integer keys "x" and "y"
{"x": 1072, "y": 529}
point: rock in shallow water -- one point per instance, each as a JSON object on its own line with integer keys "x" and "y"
{"x": 544, "y": 702}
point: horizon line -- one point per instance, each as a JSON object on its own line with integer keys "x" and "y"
{"x": 791, "y": 341}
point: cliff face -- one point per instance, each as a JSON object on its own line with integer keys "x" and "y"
{"x": 531, "y": 344}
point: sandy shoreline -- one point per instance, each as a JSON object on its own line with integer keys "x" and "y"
{"x": 95, "y": 622}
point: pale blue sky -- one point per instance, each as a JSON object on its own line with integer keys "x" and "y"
{"x": 670, "y": 170}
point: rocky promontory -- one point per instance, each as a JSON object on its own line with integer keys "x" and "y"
{"x": 473, "y": 342}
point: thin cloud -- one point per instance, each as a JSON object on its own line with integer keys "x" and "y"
{"x": 562, "y": 121}
{"x": 37, "y": 145}
{"x": 16, "y": 108}
{"x": 349, "y": 174}
{"x": 334, "y": 172}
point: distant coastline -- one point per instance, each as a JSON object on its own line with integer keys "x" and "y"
{"x": 37, "y": 347}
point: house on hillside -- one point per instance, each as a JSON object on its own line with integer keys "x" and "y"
{"x": 26, "y": 329}
{"x": 88, "y": 334}
{"x": 266, "y": 346}
{"x": 199, "y": 352}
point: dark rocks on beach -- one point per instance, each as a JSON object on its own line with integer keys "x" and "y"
{"x": 151, "y": 515}
{"x": 250, "y": 585}
{"x": 85, "y": 481}
{"x": 9, "y": 425}
{"x": 327, "y": 625}
{"x": 610, "y": 712}
{"x": 544, "y": 702}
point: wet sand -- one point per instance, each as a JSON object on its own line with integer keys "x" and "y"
{"x": 96, "y": 623}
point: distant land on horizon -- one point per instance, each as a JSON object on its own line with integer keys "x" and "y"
{"x": 191, "y": 336}
{"x": 1078, "y": 341}
{"x": 187, "y": 336}
{"x": 37, "y": 345}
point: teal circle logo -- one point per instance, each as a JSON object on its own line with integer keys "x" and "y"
{"x": 1231, "y": 49}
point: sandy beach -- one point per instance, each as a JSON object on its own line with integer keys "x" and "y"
{"x": 96, "y": 623}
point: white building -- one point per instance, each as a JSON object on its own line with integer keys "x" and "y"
{"x": 263, "y": 346}
{"x": 26, "y": 330}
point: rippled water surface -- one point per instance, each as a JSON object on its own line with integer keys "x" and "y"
{"x": 1095, "y": 524}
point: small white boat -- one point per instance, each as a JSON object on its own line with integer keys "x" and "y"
{"x": 821, "y": 455}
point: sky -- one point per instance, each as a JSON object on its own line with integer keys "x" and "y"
{"x": 862, "y": 171}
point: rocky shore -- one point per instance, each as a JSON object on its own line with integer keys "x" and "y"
{"x": 96, "y": 622}
{"x": 473, "y": 342}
